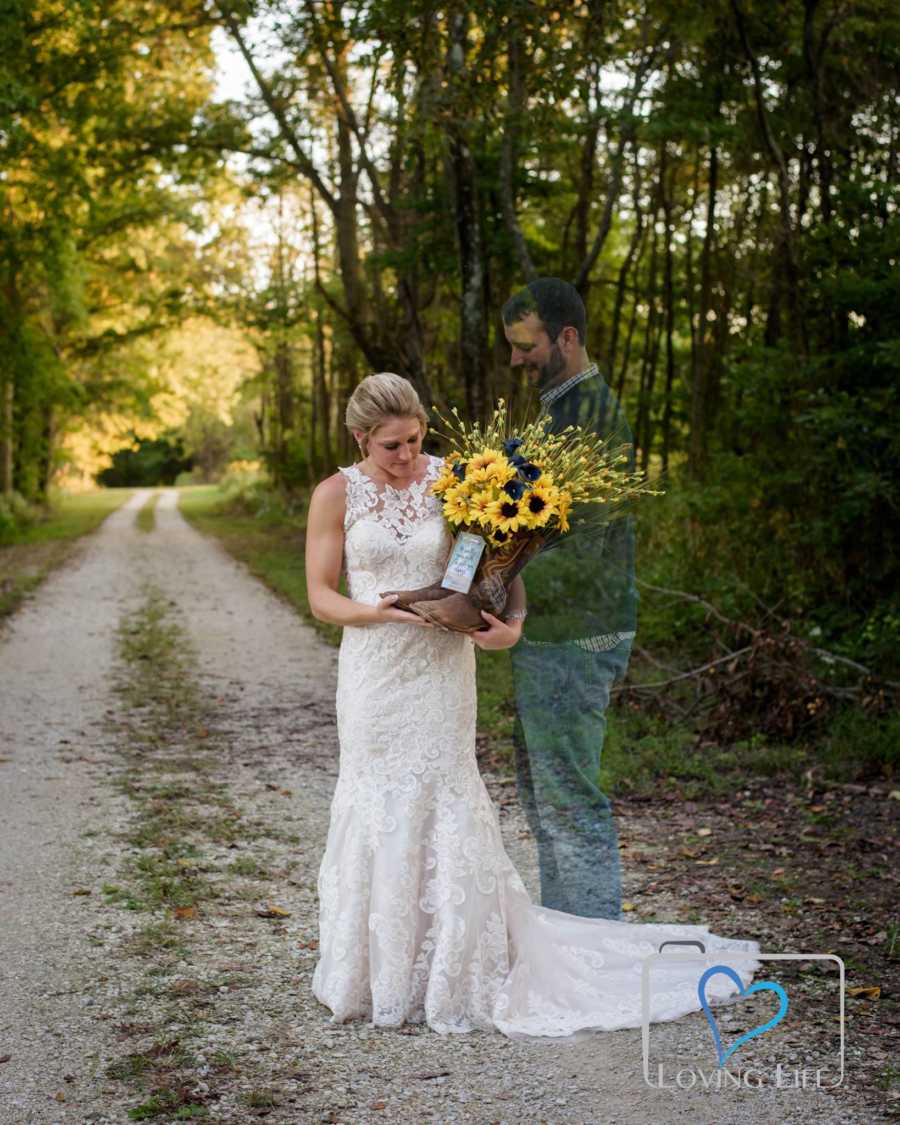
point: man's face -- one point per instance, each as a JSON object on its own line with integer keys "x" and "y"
{"x": 533, "y": 350}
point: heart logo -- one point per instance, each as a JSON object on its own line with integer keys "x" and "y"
{"x": 760, "y": 986}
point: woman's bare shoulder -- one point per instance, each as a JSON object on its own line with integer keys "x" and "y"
{"x": 330, "y": 492}
{"x": 335, "y": 485}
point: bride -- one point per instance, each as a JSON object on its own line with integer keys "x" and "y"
{"x": 423, "y": 917}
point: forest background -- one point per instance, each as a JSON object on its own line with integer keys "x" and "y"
{"x": 193, "y": 280}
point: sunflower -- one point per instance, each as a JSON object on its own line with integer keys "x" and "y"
{"x": 456, "y": 505}
{"x": 447, "y": 479}
{"x": 499, "y": 471}
{"x": 538, "y": 506}
{"x": 484, "y": 458}
{"x": 505, "y": 514}
{"x": 499, "y": 538}
{"x": 479, "y": 503}
{"x": 496, "y": 472}
{"x": 478, "y": 477}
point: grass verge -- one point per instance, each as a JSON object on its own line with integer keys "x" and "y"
{"x": 178, "y": 867}
{"x": 146, "y": 517}
{"x": 41, "y": 547}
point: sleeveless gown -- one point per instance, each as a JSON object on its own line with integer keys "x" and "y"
{"x": 422, "y": 915}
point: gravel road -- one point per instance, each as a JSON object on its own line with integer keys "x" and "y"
{"x": 78, "y": 1000}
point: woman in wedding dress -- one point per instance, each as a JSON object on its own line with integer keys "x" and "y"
{"x": 423, "y": 917}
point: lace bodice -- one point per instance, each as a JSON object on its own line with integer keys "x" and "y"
{"x": 378, "y": 520}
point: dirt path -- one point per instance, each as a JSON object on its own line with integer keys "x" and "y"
{"x": 168, "y": 756}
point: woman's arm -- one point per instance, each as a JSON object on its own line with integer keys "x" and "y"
{"x": 515, "y": 603}
{"x": 324, "y": 556}
{"x": 504, "y": 634}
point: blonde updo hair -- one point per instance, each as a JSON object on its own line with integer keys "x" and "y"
{"x": 379, "y": 397}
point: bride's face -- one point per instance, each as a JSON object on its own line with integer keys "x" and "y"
{"x": 395, "y": 445}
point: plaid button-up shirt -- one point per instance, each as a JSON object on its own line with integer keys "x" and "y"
{"x": 605, "y": 641}
{"x": 558, "y": 391}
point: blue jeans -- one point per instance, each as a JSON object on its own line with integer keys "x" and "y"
{"x": 562, "y": 693}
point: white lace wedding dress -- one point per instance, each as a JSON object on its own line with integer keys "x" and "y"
{"x": 422, "y": 915}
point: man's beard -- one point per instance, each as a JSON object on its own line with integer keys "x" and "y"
{"x": 548, "y": 372}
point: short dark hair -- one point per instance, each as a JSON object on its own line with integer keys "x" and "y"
{"x": 557, "y": 304}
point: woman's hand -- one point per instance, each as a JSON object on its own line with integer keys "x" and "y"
{"x": 386, "y": 611}
{"x": 501, "y": 634}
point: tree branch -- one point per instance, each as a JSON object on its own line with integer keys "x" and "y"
{"x": 304, "y": 164}
{"x": 615, "y": 182}
{"x": 515, "y": 102}
{"x": 385, "y": 211}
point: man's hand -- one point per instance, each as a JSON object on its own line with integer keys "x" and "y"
{"x": 501, "y": 634}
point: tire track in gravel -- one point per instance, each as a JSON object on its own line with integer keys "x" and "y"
{"x": 56, "y": 664}
{"x": 231, "y": 993}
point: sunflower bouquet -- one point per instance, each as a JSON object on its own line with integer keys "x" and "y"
{"x": 509, "y": 491}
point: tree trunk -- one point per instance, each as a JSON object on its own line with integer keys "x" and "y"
{"x": 792, "y": 270}
{"x": 669, "y": 302}
{"x": 284, "y": 406}
{"x": 472, "y": 340}
{"x": 509, "y": 151}
{"x": 321, "y": 400}
{"x": 634, "y": 246}
{"x": 642, "y": 426}
{"x": 698, "y": 449}
{"x": 7, "y": 433}
{"x": 632, "y": 324}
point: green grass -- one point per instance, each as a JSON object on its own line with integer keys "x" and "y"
{"x": 34, "y": 551}
{"x": 70, "y": 516}
{"x": 496, "y": 708}
{"x": 146, "y": 517}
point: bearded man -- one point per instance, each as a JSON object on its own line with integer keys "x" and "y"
{"x": 582, "y": 616}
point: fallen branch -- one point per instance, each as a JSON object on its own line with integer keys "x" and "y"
{"x": 770, "y": 685}
{"x": 694, "y": 672}
{"x": 756, "y": 631}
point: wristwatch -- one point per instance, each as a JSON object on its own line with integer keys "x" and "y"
{"x": 516, "y": 615}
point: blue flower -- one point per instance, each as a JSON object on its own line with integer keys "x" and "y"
{"x": 459, "y": 470}
{"x": 517, "y": 460}
{"x": 530, "y": 472}
{"x": 514, "y": 488}
{"x": 511, "y": 445}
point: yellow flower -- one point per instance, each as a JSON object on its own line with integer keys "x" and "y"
{"x": 484, "y": 458}
{"x": 499, "y": 471}
{"x": 476, "y": 477}
{"x": 479, "y": 505}
{"x": 447, "y": 479}
{"x": 456, "y": 506}
{"x": 538, "y": 506}
{"x": 500, "y": 538}
{"x": 565, "y": 502}
{"x": 444, "y": 481}
{"x": 496, "y": 470}
{"x": 504, "y": 514}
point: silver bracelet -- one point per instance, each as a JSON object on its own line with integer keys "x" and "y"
{"x": 516, "y": 615}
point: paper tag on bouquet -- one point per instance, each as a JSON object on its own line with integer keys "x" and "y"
{"x": 464, "y": 560}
